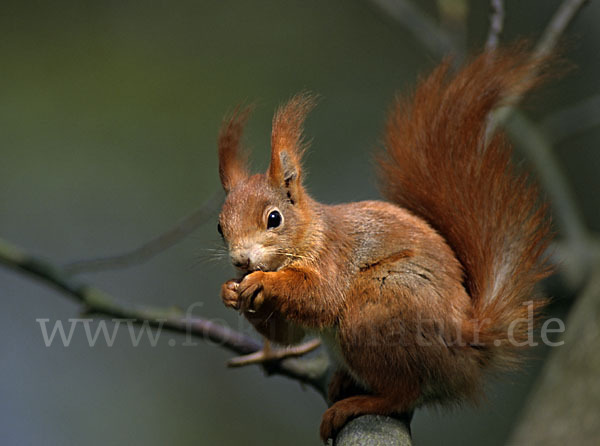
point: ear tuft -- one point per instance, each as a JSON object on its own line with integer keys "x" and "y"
{"x": 232, "y": 157}
{"x": 287, "y": 139}
{"x": 288, "y": 168}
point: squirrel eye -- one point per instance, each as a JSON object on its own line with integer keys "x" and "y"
{"x": 220, "y": 229}
{"x": 273, "y": 220}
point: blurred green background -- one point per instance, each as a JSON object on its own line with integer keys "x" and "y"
{"x": 109, "y": 113}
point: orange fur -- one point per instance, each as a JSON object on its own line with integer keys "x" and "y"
{"x": 413, "y": 297}
{"x": 232, "y": 159}
{"x": 287, "y": 134}
{"x": 438, "y": 167}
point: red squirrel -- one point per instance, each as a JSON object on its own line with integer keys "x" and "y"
{"x": 415, "y": 297}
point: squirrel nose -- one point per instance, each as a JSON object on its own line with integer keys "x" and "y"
{"x": 240, "y": 261}
{"x": 247, "y": 257}
{"x": 242, "y": 264}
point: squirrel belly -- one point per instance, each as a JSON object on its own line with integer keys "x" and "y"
{"x": 415, "y": 297}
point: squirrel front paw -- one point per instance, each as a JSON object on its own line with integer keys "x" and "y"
{"x": 230, "y": 295}
{"x": 251, "y": 292}
{"x": 246, "y": 295}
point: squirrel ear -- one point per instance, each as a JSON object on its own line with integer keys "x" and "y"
{"x": 288, "y": 144}
{"x": 232, "y": 158}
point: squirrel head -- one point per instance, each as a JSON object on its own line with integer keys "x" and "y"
{"x": 266, "y": 217}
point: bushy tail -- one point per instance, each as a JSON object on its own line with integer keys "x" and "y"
{"x": 438, "y": 166}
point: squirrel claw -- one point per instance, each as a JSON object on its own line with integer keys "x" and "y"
{"x": 268, "y": 354}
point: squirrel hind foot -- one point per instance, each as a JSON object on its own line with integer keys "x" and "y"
{"x": 345, "y": 410}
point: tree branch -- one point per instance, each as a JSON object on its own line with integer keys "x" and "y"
{"x": 564, "y": 407}
{"x": 496, "y": 24}
{"x": 312, "y": 372}
{"x": 563, "y": 16}
{"x": 375, "y": 430}
{"x": 154, "y": 246}
{"x": 543, "y": 49}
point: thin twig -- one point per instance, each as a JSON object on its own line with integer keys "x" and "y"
{"x": 563, "y": 16}
{"x": 153, "y": 247}
{"x": 545, "y": 46}
{"x": 539, "y": 150}
{"x": 293, "y": 351}
{"x": 312, "y": 372}
{"x": 496, "y": 24}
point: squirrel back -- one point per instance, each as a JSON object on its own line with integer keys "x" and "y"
{"x": 438, "y": 165}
